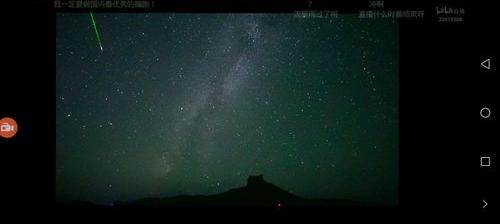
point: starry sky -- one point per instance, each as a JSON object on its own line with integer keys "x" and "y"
{"x": 184, "y": 103}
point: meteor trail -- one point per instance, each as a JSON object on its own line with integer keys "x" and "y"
{"x": 96, "y": 32}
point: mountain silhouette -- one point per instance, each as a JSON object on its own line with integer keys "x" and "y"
{"x": 257, "y": 193}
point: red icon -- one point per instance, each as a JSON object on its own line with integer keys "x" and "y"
{"x": 8, "y": 127}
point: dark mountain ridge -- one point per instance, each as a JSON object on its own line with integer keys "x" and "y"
{"x": 257, "y": 193}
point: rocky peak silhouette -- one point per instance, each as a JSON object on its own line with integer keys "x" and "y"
{"x": 255, "y": 180}
{"x": 256, "y": 193}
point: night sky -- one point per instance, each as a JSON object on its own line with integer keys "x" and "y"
{"x": 194, "y": 103}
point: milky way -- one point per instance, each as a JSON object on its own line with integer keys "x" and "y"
{"x": 194, "y": 103}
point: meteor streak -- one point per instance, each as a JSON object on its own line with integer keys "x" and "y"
{"x": 96, "y": 32}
